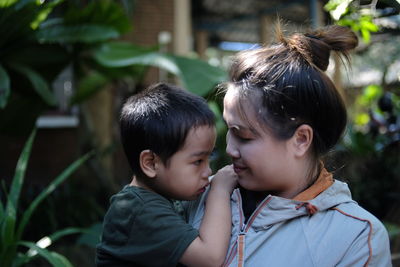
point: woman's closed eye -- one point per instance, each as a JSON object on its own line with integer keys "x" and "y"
{"x": 244, "y": 139}
{"x": 241, "y": 135}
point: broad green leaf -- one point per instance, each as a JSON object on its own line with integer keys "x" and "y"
{"x": 39, "y": 84}
{"x": 77, "y": 33}
{"x": 99, "y": 12}
{"x": 88, "y": 86}
{"x": 55, "y": 259}
{"x": 4, "y": 87}
{"x": 119, "y": 54}
{"x": 49, "y": 189}
{"x": 197, "y": 76}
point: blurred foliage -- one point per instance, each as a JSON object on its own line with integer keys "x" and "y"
{"x": 350, "y": 13}
{"x": 42, "y": 38}
{"x": 13, "y": 221}
{"x": 370, "y": 151}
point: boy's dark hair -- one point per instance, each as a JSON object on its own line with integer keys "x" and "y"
{"x": 159, "y": 119}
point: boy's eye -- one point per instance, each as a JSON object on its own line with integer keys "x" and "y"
{"x": 198, "y": 162}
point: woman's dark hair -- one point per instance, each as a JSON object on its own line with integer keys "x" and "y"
{"x": 159, "y": 119}
{"x": 289, "y": 87}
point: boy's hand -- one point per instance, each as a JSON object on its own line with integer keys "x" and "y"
{"x": 225, "y": 179}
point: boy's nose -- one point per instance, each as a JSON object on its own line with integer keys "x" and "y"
{"x": 207, "y": 171}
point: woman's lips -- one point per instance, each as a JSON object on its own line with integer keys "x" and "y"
{"x": 238, "y": 168}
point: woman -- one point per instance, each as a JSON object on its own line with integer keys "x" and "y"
{"x": 283, "y": 115}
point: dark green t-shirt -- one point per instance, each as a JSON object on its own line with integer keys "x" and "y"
{"x": 141, "y": 228}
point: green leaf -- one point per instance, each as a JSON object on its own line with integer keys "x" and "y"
{"x": 197, "y": 76}
{"x": 361, "y": 119}
{"x": 8, "y": 219}
{"x": 49, "y": 189}
{"x": 44, "y": 13}
{"x": 67, "y": 231}
{"x": 119, "y": 54}
{"x": 369, "y": 25}
{"x": 39, "y": 84}
{"x": 7, "y": 3}
{"x": 338, "y": 8}
{"x": 365, "y": 35}
{"x": 53, "y": 258}
{"x": 99, "y": 12}
{"x": 4, "y": 87}
{"x": 88, "y": 86}
{"x": 20, "y": 170}
{"x": 84, "y": 33}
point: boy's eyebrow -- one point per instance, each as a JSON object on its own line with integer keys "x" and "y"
{"x": 200, "y": 153}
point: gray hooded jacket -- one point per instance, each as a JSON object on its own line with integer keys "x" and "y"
{"x": 328, "y": 230}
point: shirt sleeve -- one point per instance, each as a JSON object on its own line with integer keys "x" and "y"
{"x": 194, "y": 210}
{"x": 155, "y": 235}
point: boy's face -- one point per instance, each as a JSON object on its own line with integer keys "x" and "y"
{"x": 186, "y": 174}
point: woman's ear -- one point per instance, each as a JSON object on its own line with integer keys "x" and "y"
{"x": 302, "y": 139}
{"x": 147, "y": 161}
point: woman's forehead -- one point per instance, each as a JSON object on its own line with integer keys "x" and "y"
{"x": 239, "y": 111}
{"x": 244, "y": 110}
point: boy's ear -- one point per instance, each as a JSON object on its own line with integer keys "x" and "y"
{"x": 148, "y": 163}
{"x": 302, "y": 139}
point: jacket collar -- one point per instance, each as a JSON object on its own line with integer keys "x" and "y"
{"x": 324, "y": 194}
{"x": 324, "y": 180}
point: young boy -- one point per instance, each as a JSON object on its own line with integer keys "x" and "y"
{"x": 168, "y": 135}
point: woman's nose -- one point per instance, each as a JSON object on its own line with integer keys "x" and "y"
{"x": 231, "y": 149}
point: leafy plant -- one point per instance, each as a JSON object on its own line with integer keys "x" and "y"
{"x": 12, "y": 224}
{"x": 350, "y": 13}
{"x": 41, "y": 38}
{"x": 370, "y": 149}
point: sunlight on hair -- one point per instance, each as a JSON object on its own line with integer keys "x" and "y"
{"x": 42, "y": 243}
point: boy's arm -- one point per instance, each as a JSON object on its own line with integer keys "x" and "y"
{"x": 210, "y": 247}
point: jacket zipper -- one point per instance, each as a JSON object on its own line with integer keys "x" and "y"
{"x": 243, "y": 230}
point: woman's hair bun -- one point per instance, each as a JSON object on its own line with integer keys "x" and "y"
{"x": 315, "y": 46}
